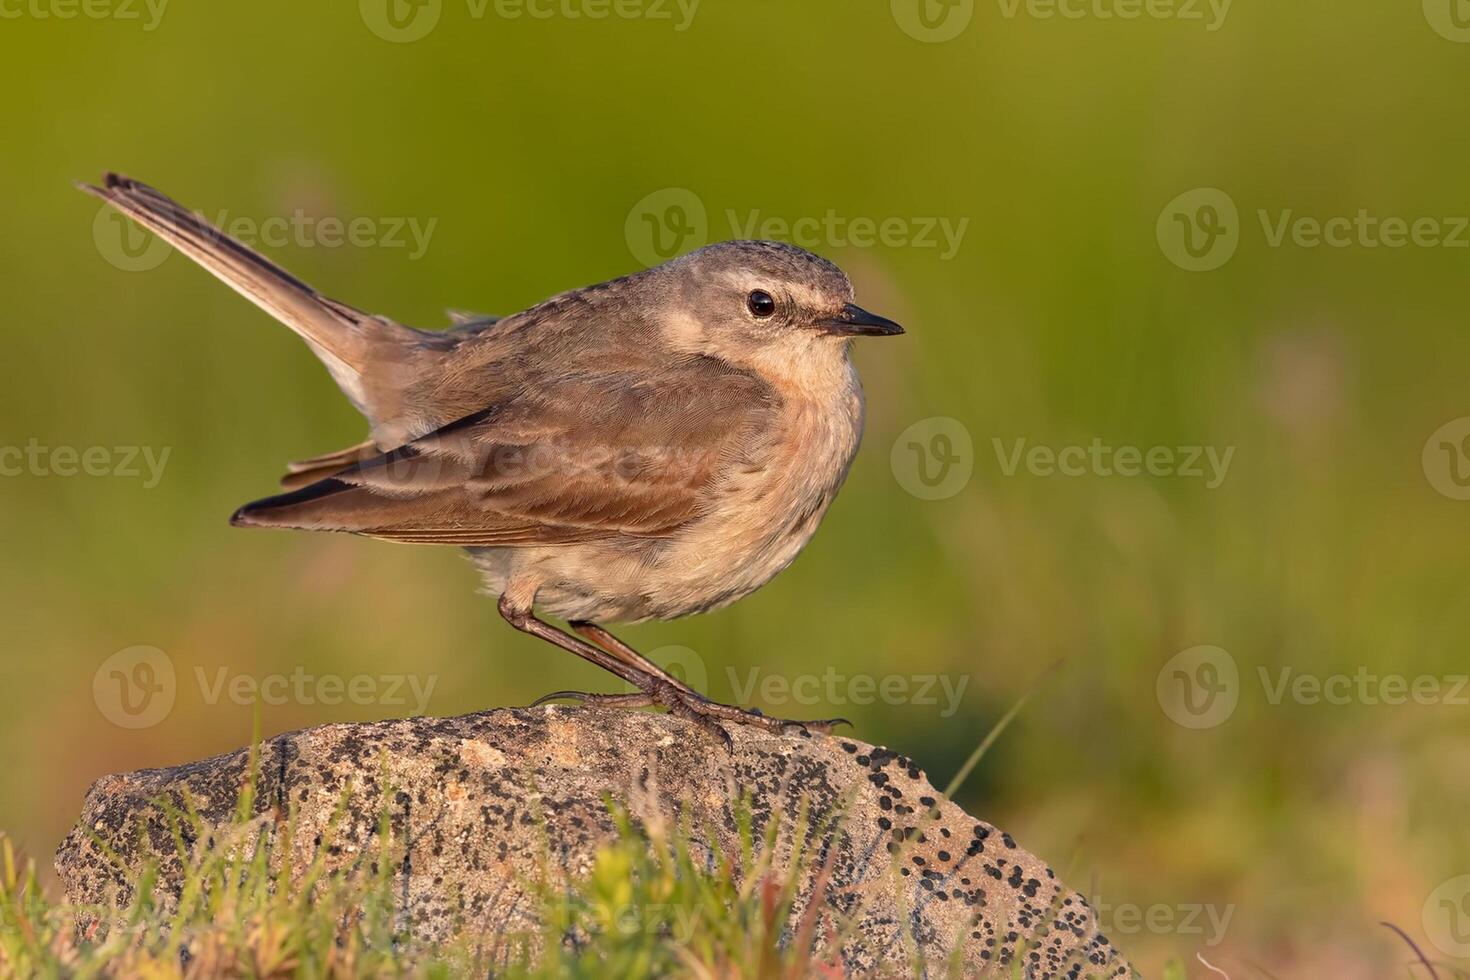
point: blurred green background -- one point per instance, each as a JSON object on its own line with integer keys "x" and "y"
{"x": 528, "y": 148}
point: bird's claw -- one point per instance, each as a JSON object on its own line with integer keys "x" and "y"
{"x": 701, "y": 711}
{"x": 823, "y": 726}
{"x": 558, "y": 696}
{"x": 608, "y": 700}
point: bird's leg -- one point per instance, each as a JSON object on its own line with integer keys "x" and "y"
{"x": 654, "y": 690}
{"x": 694, "y": 700}
{"x": 523, "y": 619}
{"x": 619, "y": 649}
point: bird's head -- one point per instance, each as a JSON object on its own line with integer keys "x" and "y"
{"x": 759, "y": 304}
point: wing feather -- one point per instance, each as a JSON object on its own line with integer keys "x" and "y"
{"x": 593, "y": 457}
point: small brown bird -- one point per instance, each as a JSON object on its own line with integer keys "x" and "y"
{"x": 646, "y": 448}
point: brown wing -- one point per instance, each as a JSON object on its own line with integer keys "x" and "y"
{"x": 593, "y": 457}
{"x": 304, "y": 472}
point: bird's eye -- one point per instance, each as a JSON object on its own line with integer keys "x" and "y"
{"x": 761, "y": 304}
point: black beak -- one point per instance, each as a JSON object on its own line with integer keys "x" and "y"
{"x": 854, "y": 321}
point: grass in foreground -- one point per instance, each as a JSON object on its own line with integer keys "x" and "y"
{"x": 648, "y": 908}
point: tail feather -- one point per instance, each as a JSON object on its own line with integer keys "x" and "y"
{"x": 336, "y": 504}
{"x": 308, "y": 471}
{"x": 340, "y": 335}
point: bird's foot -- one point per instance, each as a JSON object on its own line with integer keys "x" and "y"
{"x": 695, "y": 707}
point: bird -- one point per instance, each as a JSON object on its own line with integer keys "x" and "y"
{"x": 647, "y": 448}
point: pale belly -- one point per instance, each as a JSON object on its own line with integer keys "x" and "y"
{"x": 764, "y": 517}
{"x": 630, "y": 582}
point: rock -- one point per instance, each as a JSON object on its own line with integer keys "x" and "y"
{"x": 479, "y": 798}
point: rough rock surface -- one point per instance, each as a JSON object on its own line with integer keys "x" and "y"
{"x": 479, "y": 799}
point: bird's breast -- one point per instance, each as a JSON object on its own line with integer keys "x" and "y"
{"x": 765, "y": 510}
{"x": 761, "y": 512}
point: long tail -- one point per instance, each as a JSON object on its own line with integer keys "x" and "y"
{"x": 347, "y": 340}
